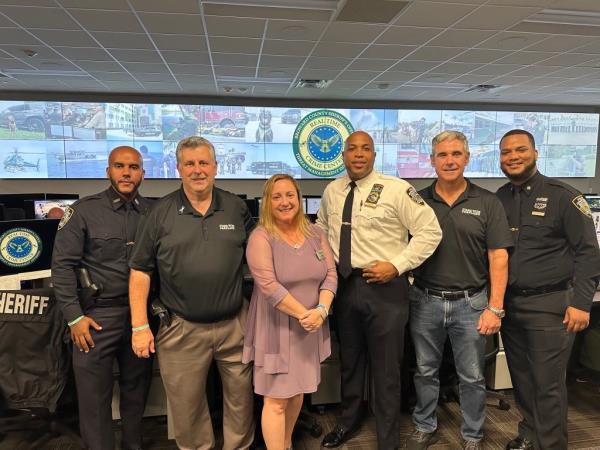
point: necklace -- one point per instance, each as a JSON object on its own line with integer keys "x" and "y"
{"x": 293, "y": 240}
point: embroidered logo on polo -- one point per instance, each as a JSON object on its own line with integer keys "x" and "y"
{"x": 582, "y": 205}
{"x": 225, "y": 227}
{"x": 374, "y": 195}
{"x": 19, "y": 247}
{"x": 472, "y": 212}
{"x": 318, "y": 142}
{"x": 414, "y": 196}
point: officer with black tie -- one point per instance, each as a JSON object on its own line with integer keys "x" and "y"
{"x": 368, "y": 217}
{"x": 553, "y": 274}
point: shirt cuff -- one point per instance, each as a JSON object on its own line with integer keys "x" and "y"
{"x": 401, "y": 265}
{"x": 276, "y": 297}
{"x": 72, "y": 312}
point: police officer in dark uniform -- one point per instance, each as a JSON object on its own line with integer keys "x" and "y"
{"x": 553, "y": 273}
{"x": 97, "y": 234}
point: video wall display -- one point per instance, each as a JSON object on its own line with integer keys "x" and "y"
{"x": 73, "y": 139}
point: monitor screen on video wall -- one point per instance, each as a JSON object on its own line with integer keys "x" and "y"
{"x": 73, "y": 139}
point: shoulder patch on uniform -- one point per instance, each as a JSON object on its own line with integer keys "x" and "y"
{"x": 414, "y": 196}
{"x": 65, "y": 219}
{"x": 582, "y": 205}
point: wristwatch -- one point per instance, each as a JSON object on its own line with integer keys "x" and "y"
{"x": 499, "y": 312}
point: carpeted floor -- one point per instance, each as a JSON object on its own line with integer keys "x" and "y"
{"x": 584, "y": 427}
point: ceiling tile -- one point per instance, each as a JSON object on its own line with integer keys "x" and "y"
{"x": 100, "y": 66}
{"x": 396, "y": 76}
{"x": 285, "y": 12}
{"x": 234, "y": 59}
{"x": 180, "y": 42}
{"x": 388, "y": 51}
{"x": 316, "y": 62}
{"x": 179, "y": 6}
{"x": 191, "y": 69}
{"x": 172, "y": 23}
{"x": 408, "y": 35}
{"x": 233, "y": 71}
{"x": 592, "y": 47}
{"x": 472, "y": 79}
{"x": 434, "y": 78}
{"x": 112, "y": 76}
{"x": 146, "y": 76}
{"x": 343, "y": 50}
{"x": 358, "y": 75}
{"x": 567, "y": 59}
{"x": 495, "y": 17}
{"x": 535, "y": 71}
{"x": 496, "y": 69}
{"x": 65, "y": 38}
{"x": 235, "y": 27}
{"x": 461, "y": 38}
{"x": 110, "y": 5}
{"x": 435, "y": 53}
{"x": 318, "y": 74}
{"x": 146, "y": 67}
{"x": 123, "y": 40}
{"x": 480, "y": 56}
{"x": 18, "y": 51}
{"x": 284, "y": 47}
{"x": 16, "y": 36}
{"x": 32, "y": 17}
{"x": 282, "y": 61}
{"x": 12, "y": 63}
{"x": 371, "y": 64}
{"x": 561, "y": 44}
{"x": 147, "y": 56}
{"x": 432, "y": 14}
{"x": 294, "y": 30}
{"x": 96, "y": 20}
{"x": 84, "y": 53}
{"x": 352, "y": 32}
{"x": 456, "y": 68}
{"x": 235, "y": 45}
{"x": 510, "y": 40}
{"x": 525, "y": 58}
{"x": 415, "y": 66}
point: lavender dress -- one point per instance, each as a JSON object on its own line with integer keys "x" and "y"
{"x": 286, "y": 357}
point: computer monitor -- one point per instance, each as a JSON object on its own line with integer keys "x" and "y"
{"x": 594, "y": 201}
{"x": 26, "y": 245}
{"x": 41, "y": 208}
{"x": 312, "y": 205}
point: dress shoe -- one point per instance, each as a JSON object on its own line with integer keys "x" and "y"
{"x": 519, "y": 443}
{"x": 336, "y": 437}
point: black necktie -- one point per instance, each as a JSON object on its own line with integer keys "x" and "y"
{"x": 345, "y": 263}
{"x": 514, "y": 218}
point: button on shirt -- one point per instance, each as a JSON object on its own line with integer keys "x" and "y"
{"x": 381, "y": 221}
{"x": 554, "y": 240}
{"x": 198, "y": 257}
{"x": 97, "y": 232}
{"x": 475, "y": 223}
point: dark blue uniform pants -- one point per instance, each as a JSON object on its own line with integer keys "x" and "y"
{"x": 94, "y": 379}
{"x": 371, "y": 321}
{"x": 537, "y": 350}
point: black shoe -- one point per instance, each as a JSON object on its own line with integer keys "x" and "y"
{"x": 519, "y": 443}
{"x": 336, "y": 437}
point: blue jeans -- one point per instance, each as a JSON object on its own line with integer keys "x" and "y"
{"x": 431, "y": 321}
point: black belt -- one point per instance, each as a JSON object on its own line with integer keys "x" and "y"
{"x": 119, "y": 301}
{"x": 541, "y": 290}
{"x": 448, "y": 295}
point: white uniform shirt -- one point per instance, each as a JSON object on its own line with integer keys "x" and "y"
{"x": 381, "y": 224}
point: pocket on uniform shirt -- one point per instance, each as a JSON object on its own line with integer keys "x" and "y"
{"x": 371, "y": 217}
{"x": 108, "y": 246}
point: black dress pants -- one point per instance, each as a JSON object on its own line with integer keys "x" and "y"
{"x": 94, "y": 380}
{"x": 371, "y": 319}
{"x": 537, "y": 350}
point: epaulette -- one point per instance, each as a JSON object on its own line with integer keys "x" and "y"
{"x": 560, "y": 184}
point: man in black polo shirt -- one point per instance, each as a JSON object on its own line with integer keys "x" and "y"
{"x": 194, "y": 238}
{"x": 458, "y": 292}
{"x": 553, "y": 274}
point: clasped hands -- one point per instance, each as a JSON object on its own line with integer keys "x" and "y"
{"x": 311, "y": 320}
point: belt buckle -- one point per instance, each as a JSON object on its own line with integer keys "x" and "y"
{"x": 447, "y": 295}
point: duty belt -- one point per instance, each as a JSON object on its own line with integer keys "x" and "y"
{"x": 448, "y": 295}
{"x": 514, "y": 291}
{"x": 119, "y": 301}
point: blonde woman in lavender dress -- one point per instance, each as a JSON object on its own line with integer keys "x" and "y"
{"x": 287, "y": 334}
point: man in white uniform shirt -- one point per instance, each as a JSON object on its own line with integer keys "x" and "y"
{"x": 368, "y": 217}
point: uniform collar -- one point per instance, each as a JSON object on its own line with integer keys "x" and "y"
{"x": 530, "y": 185}
{"x": 185, "y": 207}
{"x": 365, "y": 182}
{"x": 116, "y": 201}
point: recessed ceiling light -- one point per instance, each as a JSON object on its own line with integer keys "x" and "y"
{"x": 30, "y": 53}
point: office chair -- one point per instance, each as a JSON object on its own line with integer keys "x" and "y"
{"x": 35, "y": 358}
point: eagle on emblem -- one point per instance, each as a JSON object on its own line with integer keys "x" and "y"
{"x": 325, "y": 144}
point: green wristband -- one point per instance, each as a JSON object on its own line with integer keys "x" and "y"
{"x": 73, "y": 322}
{"x": 140, "y": 328}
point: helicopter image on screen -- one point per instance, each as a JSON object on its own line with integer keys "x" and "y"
{"x": 15, "y": 162}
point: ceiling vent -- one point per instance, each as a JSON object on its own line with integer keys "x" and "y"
{"x": 312, "y": 83}
{"x": 483, "y": 88}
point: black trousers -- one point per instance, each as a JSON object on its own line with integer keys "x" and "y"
{"x": 537, "y": 350}
{"x": 371, "y": 319}
{"x": 94, "y": 380}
